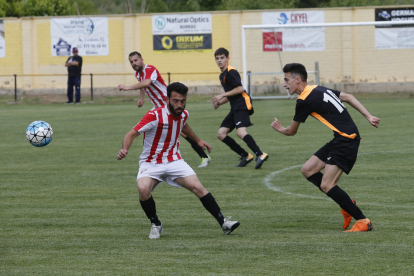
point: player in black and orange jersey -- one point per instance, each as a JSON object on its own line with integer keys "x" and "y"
{"x": 340, "y": 154}
{"x": 240, "y": 110}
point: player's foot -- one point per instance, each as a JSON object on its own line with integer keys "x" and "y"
{"x": 204, "y": 162}
{"x": 229, "y": 226}
{"x": 69, "y": 103}
{"x": 260, "y": 160}
{"x": 244, "y": 160}
{"x": 362, "y": 225}
{"x": 347, "y": 217}
{"x": 155, "y": 231}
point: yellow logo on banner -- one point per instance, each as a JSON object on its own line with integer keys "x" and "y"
{"x": 189, "y": 39}
{"x": 167, "y": 42}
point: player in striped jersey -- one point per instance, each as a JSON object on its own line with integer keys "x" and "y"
{"x": 161, "y": 159}
{"x": 340, "y": 154}
{"x": 151, "y": 83}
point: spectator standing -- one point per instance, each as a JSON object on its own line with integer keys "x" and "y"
{"x": 74, "y": 64}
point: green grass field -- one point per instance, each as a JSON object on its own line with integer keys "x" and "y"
{"x": 72, "y": 209}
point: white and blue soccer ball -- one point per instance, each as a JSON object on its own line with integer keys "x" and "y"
{"x": 39, "y": 133}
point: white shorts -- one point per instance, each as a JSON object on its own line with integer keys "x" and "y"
{"x": 168, "y": 172}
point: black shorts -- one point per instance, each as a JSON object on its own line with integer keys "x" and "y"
{"x": 341, "y": 151}
{"x": 236, "y": 119}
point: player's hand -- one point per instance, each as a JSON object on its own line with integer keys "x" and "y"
{"x": 374, "y": 121}
{"x": 140, "y": 102}
{"x": 277, "y": 125}
{"x": 122, "y": 154}
{"x": 217, "y": 99}
{"x": 121, "y": 87}
{"x": 204, "y": 145}
{"x": 216, "y": 105}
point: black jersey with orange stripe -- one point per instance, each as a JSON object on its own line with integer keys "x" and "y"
{"x": 324, "y": 105}
{"x": 230, "y": 79}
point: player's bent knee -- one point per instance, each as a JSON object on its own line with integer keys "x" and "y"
{"x": 306, "y": 171}
{"x": 221, "y": 136}
{"x": 144, "y": 191}
{"x": 199, "y": 190}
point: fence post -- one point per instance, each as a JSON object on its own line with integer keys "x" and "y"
{"x": 317, "y": 73}
{"x": 91, "y": 87}
{"x": 169, "y": 81}
{"x": 249, "y": 83}
{"x": 15, "y": 88}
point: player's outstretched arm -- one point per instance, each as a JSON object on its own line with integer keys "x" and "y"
{"x": 126, "y": 143}
{"x": 143, "y": 84}
{"x": 190, "y": 134}
{"x": 352, "y": 101}
{"x": 288, "y": 131}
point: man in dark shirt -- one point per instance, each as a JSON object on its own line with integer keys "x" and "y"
{"x": 240, "y": 110}
{"x": 74, "y": 64}
{"x": 340, "y": 154}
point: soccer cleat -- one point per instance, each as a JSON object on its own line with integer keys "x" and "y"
{"x": 204, "y": 162}
{"x": 347, "y": 217}
{"x": 229, "y": 226}
{"x": 362, "y": 225}
{"x": 155, "y": 231}
{"x": 244, "y": 160}
{"x": 260, "y": 160}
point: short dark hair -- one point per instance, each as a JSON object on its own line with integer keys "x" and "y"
{"x": 296, "y": 69}
{"x": 221, "y": 51}
{"x": 177, "y": 87}
{"x": 135, "y": 53}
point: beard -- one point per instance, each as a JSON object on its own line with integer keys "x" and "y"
{"x": 138, "y": 68}
{"x": 176, "y": 112}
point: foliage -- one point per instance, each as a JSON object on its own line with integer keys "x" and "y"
{"x": 84, "y": 7}
{"x": 37, "y": 8}
{"x": 47, "y": 7}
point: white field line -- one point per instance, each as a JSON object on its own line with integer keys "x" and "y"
{"x": 268, "y": 182}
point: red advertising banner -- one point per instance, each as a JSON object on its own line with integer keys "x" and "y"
{"x": 269, "y": 41}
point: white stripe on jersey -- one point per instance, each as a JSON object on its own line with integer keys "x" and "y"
{"x": 157, "y": 91}
{"x": 162, "y": 133}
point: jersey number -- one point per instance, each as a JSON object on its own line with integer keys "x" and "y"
{"x": 329, "y": 96}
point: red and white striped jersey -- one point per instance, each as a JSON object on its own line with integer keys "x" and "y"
{"x": 162, "y": 133}
{"x": 157, "y": 91}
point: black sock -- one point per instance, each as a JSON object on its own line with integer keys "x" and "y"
{"x": 149, "y": 208}
{"x": 316, "y": 179}
{"x": 211, "y": 205}
{"x": 234, "y": 146}
{"x": 248, "y": 139}
{"x": 197, "y": 148}
{"x": 345, "y": 202}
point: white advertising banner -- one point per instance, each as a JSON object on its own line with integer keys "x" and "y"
{"x": 89, "y": 35}
{"x": 182, "y": 24}
{"x": 293, "y": 39}
{"x": 2, "y": 40}
{"x": 394, "y": 36}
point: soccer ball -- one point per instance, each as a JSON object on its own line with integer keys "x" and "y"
{"x": 39, "y": 133}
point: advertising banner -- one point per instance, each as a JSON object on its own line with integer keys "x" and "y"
{"x": 182, "y": 33}
{"x": 293, "y": 39}
{"x": 2, "y": 40}
{"x": 182, "y": 42}
{"x": 394, "y": 36}
{"x": 89, "y": 35}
